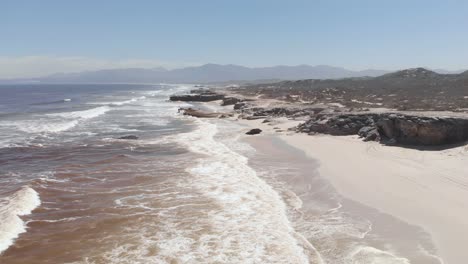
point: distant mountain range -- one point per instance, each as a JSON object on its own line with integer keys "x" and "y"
{"x": 208, "y": 73}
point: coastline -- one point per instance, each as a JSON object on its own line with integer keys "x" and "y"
{"x": 423, "y": 188}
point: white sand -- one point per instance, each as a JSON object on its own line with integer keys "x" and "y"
{"x": 424, "y": 188}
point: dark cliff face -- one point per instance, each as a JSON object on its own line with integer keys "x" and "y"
{"x": 423, "y": 130}
{"x": 393, "y": 128}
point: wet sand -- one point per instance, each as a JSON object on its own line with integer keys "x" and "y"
{"x": 341, "y": 230}
{"x": 428, "y": 189}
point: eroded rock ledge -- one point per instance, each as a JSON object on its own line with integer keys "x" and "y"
{"x": 391, "y": 128}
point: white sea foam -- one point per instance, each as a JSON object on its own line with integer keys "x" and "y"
{"x": 85, "y": 114}
{"x": 371, "y": 255}
{"x": 49, "y": 179}
{"x": 5, "y": 143}
{"x": 41, "y": 126}
{"x": 67, "y": 219}
{"x": 253, "y": 218}
{"x": 123, "y": 102}
{"x": 59, "y": 122}
{"x": 21, "y": 203}
{"x": 119, "y": 103}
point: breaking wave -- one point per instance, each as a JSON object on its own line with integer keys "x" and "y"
{"x": 20, "y": 203}
{"x": 58, "y": 122}
{"x": 45, "y": 126}
{"x": 85, "y": 114}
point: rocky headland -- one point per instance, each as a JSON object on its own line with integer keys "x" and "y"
{"x": 338, "y": 107}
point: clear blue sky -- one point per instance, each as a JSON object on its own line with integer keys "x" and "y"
{"x": 355, "y": 34}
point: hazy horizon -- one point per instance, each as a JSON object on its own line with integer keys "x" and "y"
{"x": 50, "y": 37}
{"x": 130, "y": 66}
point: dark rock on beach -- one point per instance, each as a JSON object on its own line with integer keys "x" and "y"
{"x": 203, "y": 114}
{"x": 240, "y": 105}
{"x": 230, "y": 101}
{"x": 255, "y": 117}
{"x": 254, "y": 131}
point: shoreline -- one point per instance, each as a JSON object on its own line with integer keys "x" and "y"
{"x": 422, "y": 188}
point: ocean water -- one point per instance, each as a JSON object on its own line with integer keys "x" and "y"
{"x": 187, "y": 191}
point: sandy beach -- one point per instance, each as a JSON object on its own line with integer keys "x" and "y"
{"x": 428, "y": 189}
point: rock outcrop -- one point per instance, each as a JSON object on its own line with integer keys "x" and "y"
{"x": 254, "y": 131}
{"x": 338, "y": 125}
{"x": 199, "y": 95}
{"x": 392, "y": 128}
{"x": 203, "y": 114}
{"x": 281, "y": 111}
{"x": 230, "y": 101}
{"x": 416, "y": 130}
{"x": 240, "y": 105}
{"x": 369, "y": 133}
